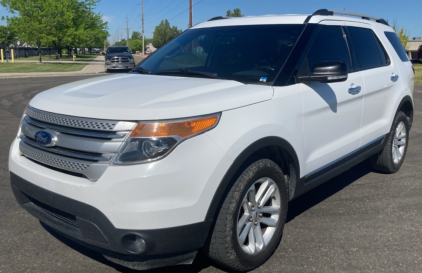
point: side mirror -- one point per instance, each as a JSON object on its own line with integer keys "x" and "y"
{"x": 326, "y": 72}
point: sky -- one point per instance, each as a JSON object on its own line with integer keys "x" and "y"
{"x": 406, "y": 13}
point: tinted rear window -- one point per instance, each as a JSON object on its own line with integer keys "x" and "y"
{"x": 366, "y": 48}
{"x": 398, "y": 46}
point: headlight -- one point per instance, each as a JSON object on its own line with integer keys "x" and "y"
{"x": 153, "y": 141}
{"x": 132, "y": 61}
{"x": 20, "y": 124}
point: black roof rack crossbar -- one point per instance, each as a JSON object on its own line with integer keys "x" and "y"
{"x": 331, "y": 12}
{"x": 218, "y": 18}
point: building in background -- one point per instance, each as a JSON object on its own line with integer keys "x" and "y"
{"x": 413, "y": 46}
{"x": 149, "y": 48}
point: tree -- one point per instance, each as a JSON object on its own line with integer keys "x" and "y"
{"x": 136, "y": 45}
{"x": 33, "y": 23}
{"x": 136, "y": 35}
{"x": 236, "y": 13}
{"x": 403, "y": 36}
{"x": 7, "y": 35}
{"x": 62, "y": 12}
{"x": 58, "y": 23}
{"x": 420, "y": 52}
{"x": 90, "y": 29}
{"x": 163, "y": 33}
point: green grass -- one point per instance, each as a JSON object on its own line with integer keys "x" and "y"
{"x": 34, "y": 67}
{"x": 418, "y": 73}
{"x": 80, "y": 58}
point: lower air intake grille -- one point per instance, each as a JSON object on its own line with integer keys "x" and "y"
{"x": 58, "y": 214}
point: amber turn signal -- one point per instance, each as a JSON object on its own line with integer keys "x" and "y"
{"x": 182, "y": 129}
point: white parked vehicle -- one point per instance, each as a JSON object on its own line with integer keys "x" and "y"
{"x": 205, "y": 143}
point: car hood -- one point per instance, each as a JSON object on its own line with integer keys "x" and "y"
{"x": 148, "y": 97}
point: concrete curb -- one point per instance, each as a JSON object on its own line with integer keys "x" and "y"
{"x": 44, "y": 75}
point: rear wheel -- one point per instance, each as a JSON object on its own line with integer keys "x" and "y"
{"x": 250, "y": 224}
{"x": 390, "y": 159}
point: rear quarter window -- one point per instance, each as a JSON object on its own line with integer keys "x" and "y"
{"x": 398, "y": 46}
{"x": 367, "y": 48}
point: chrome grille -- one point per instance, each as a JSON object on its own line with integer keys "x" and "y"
{"x": 84, "y": 146}
{"x": 119, "y": 60}
{"x": 70, "y": 121}
{"x": 51, "y": 161}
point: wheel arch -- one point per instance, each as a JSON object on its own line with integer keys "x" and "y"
{"x": 275, "y": 148}
{"x": 406, "y": 106}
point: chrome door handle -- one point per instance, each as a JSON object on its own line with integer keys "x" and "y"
{"x": 394, "y": 78}
{"x": 355, "y": 90}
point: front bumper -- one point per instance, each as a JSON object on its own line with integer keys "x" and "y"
{"x": 90, "y": 227}
{"x": 164, "y": 202}
{"x": 119, "y": 66}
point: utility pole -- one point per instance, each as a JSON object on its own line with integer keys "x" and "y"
{"x": 127, "y": 30}
{"x": 121, "y": 32}
{"x": 190, "y": 13}
{"x": 143, "y": 36}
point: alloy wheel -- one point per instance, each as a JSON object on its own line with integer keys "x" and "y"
{"x": 399, "y": 142}
{"x": 258, "y": 215}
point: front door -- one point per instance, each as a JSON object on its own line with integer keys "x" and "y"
{"x": 332, "y": 112}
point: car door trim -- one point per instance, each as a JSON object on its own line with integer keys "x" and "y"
{"x": 338, "y": 166}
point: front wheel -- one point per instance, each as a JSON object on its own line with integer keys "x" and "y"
{"x": 250, "y": 224}
{"x": 390, "y": 159}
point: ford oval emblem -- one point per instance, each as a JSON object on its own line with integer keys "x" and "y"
{"x": 45, "y": 138}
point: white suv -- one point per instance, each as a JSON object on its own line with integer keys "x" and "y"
{"x": 204, "y": 144}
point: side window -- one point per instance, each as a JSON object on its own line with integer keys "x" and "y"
{"x": 385, "y": 59}
{"x": 366, "y": 48}
{"x": 398, "y": 46}
{"x": 329, "y": 45}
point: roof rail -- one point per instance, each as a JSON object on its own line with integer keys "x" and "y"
{"x": 331, "y": 12}
{"x": 218, "y": 18}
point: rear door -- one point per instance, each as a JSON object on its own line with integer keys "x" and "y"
{"x": 380, "y": 75}
{"x": 332, "y": 112}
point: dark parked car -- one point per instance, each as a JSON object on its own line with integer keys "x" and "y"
{"x": 119, "y": 57}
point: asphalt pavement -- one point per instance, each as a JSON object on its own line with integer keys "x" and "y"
{"x": 360, "y": 221}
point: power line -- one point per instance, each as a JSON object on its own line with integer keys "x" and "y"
{"x": 185, "y": 10}
{"x": 156, "y": 6}
{"x": 133, "y": 11}
{"x": 176, "y": 14}
{"x": 177, "y": 3}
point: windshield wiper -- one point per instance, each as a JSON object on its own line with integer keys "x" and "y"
{"x": 141, "y": 70}
{"x": 187, "y": 71}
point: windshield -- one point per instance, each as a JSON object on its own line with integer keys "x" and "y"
{"x": 115, "y": 50}
{"x": 249, "y": 54}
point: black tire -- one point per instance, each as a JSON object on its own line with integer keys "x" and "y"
{"x": 383, "y": 161}
{"x": 223, "y": 246}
